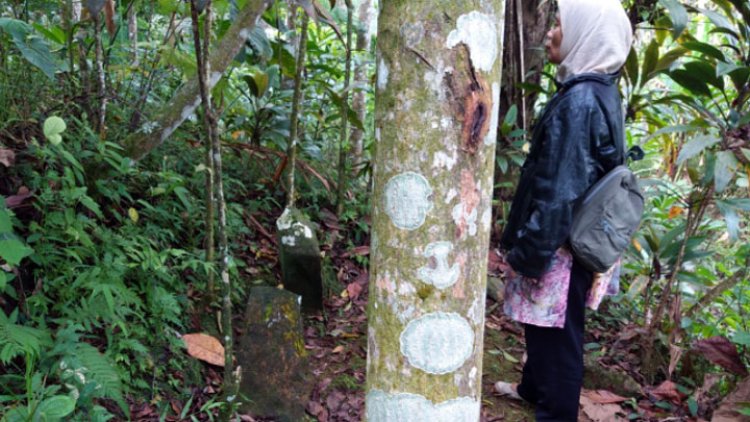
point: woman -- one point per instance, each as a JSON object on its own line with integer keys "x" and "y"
{"x": 578, "y": 139}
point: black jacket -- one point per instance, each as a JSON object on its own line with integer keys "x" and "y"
{"x": 578, "y": 139}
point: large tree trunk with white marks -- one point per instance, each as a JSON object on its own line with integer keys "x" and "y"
{"x": 438, "y": 89}
{"x": 184, "y": 103}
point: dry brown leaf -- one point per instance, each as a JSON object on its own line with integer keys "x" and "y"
{"x": 602, "y": 396}
{"x": 729, "y": 409}
{"x": 204, "y": 347}
{"x": 667, "y": 391}
{"x": 354, "y": 289}
{"x": 7, "y": 157}
{"x": 109, "y": 17}
{"x": 722, "y": 352}
{"x": 601, "y": 412}
{"x": 338, "y": 349}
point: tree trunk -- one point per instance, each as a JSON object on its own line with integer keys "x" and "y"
{"x": 344, "y": 133}
{"x": 438, "y": 90}
{"x": 359, "y": 103}
{"x": 296, "y": 106}
{"x": 186, "y": 100}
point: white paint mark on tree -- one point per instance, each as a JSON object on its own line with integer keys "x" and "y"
{"x": 479, "y": 33}
{"x": 407, "y": 407}
{"x": 408, "y": 200}
{"x": 438, "y": 343}
{"x": 452, "y": 193}
{"x": 382, "y": 75}
{"x": 443, "y": 160}
{"x": 441, "y": 275}
{"x": 289, "y": 240}
{"x": 469, "y": 220}
{"x": 494, "y": 120}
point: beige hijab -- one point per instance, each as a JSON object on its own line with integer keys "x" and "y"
{"x": 596, "y": 37}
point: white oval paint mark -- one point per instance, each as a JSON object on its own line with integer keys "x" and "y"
{"x": 406, "y": 407}
{"x": 470, "y": 219}
{"x": 442, "y": 275}
{"x": 437, "y": 343}
{"x": 382, "y": 75}
{"x": 407, "y": 200}
{"x": 478, "y": 32}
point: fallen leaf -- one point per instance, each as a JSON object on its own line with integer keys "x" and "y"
{"x": 354, "y": 289}
{"x": 667, "y": 391}
{"x": 721, "y": 351}
{"x": 15, "y": 201}
{"x": 730, "y": 409}
{"x": 7, "y": 157}
{"x": 601, "y": 412}
{"x": 205, "y": 348}
{"x": 338, "y": 349}
{"x": 603, "y": 396}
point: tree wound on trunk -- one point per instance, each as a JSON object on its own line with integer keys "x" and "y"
{"x": 405, "y": 407}
{"x": 437, "y": 343}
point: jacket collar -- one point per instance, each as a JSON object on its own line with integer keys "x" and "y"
{"x": 602, "y": 78}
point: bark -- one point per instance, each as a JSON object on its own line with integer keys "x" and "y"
{"x": 343, "y": 135}
{"x": 359, "y": 104}
{"x": 230, "y": 381}
{"x": 438, "y": 89}
{"x": 296, "y": 105}
{"x": 101, "y": 115}
{"x": 153, "y": 133}
{"x": 526, "y": 24}
{"x": 133, "y": 31}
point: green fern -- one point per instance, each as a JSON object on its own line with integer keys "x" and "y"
{"x": 86, "y": 365}
{"x": 19, "y": 340}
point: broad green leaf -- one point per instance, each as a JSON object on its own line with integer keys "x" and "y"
{"x": 690, "y": 82}
{"x": 672, "y": 129}
{"x": 3, "y": 281}
{"x": 695, "y": 146}
{"x": 731, "y": 217}
{"x": 510, "y": 116}
{"x": 33, "y": 48}
{"x": 258, "y": 82}
{"x": 649, "y": 61}
{"x": 666, "y": 61}
{"x": 719, "y": 21}
{"x": 259, "y": 42}
{"x": 631, "y": 67}
{"x": 706, "y": 49}
{"x": 726, "y": 166}
{"x": 5, "y": 224}
{"x": 742, "y": 338}
{"x": 13, "y": 250}
{"x": 56, "y": 408}
{"x": 705, "y": 72}
{"x": 678, "y": 14}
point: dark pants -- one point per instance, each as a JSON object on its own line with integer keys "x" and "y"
{"x": 553, "y": 373}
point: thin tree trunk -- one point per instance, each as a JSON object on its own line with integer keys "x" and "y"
{"x": 359, "y": 104}
{"x": 183, "y": 104}
{"x": 438, "y": 89}
{"x": 230, "y": 383}
{"x": 101, "y": 115}
{"x": 344, "y": 134}
{"x": 296, "y": 106}
{"x": 133, "y": 32}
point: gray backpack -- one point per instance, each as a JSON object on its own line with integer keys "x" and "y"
{"x": 606, "y": 219}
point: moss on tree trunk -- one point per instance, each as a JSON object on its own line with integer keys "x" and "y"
{"x": 438, "y": 89}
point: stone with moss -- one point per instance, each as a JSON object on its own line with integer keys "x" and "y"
{"x": 299, "y": 255}
{"x": 272, "y": 356}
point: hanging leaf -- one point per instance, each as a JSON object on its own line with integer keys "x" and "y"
{"x": 33, "y": 48}
{"x": 722, "y": 352}
{"x": 678, "y": 14}
{"x": 705, "y": 72}
{"x": 257, "y": 81}
{"x": 205, "y": 348}
{"x": 731, "y": 217}
{"x": 726, "y": 166}
{"x": 258, "y": 41}
{"x": 649, "y": 61}
{"x": 695, "y": 146}
{"x": 706, "y": 49}
{"x": 631, "y": 67}
{"x": 690, "y": 82}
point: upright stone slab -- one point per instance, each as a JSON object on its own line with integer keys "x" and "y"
{"x": 299, "y": 255}
{"x": 272, "y": 356}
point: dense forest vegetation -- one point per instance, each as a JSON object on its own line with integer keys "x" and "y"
{"x": 149, "y": 150}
